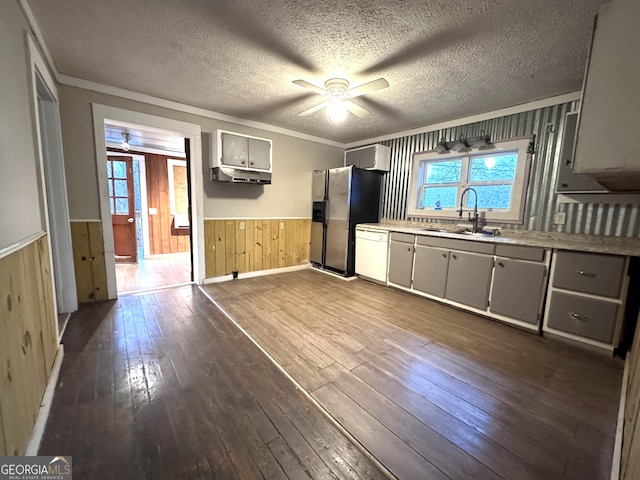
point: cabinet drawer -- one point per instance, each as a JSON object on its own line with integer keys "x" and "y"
{"x": 589, "y": 273}
{"x": 402, "y": 237}
{"x": 522, "y": 253}
{"x": 585, "y": 317}
{"x": 454, "y": 244}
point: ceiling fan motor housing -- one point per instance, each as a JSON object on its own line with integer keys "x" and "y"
{"x": 337, "y": 87}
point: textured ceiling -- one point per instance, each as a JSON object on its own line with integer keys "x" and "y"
{"x": 444, "y": 59}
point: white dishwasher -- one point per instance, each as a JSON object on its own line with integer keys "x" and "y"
{"x": 371, "y": 253}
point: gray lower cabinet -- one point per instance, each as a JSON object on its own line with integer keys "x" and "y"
{"x": 586, "y": 299}
{"x": 468, "y": 278}
{"x": 400, "y": 261}
{"x": 517, "y": 289}
{"x": 592, "y": 273}
{"x": 583, "y": 316}
{"x": 430, "y": 270}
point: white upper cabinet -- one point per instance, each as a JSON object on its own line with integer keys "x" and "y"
{"x": 610, "y": 109}
{"x": 373, "y": 157}
{"x": 240, "y": 151}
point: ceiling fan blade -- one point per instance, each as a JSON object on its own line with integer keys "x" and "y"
{"x": 357, "y": 110}
{"x": 310, "y": 86}
{"x": 369, "y": 87}
{"x": 313, "y": 109}
{"x": 379, "y": 107}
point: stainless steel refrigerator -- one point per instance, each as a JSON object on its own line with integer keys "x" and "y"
{"x": 342, "y": 198}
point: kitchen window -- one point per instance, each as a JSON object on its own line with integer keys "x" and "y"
{"x": 499, "y": 176}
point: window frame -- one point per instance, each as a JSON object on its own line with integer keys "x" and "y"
{"x": 519, "y": 191}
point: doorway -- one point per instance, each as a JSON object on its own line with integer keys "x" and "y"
{"x": 106, "y": 114}
{"x": 149, "y": 198}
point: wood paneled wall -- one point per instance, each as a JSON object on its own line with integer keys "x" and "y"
{"x": 630, "y": 461}
{"x": 28, "y": 341}
{"x": 262, "y": 244}
{"x": 163, "y": 236}
{"x": 88, "y": 261}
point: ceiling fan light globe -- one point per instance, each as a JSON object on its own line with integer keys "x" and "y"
{"x": 337, "y": 112}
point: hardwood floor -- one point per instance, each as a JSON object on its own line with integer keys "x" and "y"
{"x": 154, "y": 271}
{"x": 163, "y": 386}
{"x": 431, "y": 391}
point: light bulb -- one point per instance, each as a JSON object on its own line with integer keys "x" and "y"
{"x": 336, "y": 111}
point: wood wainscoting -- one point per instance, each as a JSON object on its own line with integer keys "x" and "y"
{"x": 630, "y": 461}
{"x": 88, "y": 261}
{"x": 163, "y": 236}
{"x": 250, "y": 245}
{"x": 28, "y": 341}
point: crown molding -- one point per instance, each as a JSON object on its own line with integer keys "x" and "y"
{"x": 523, "y": 107}
{"x": 181, "y": 107}
{"x": 39, "y": 39}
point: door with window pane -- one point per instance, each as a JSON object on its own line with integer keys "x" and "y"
{"x": 122, "y": 206}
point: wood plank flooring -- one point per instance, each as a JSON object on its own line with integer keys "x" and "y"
{"x": 163, "y": 386}
{"x": 154, "y": 271}
{"x": 431, "y": 391}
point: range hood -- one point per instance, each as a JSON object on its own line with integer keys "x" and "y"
{"x": 237, "y": 175}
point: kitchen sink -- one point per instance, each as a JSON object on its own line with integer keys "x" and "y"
{"x": 476, "y": 234}
{"x": 457, "y": 232}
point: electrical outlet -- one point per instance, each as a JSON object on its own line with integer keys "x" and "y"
{"x": 560, "y": 218}
{"x": 281, "y": 225}
{"x": 241, "y": 225}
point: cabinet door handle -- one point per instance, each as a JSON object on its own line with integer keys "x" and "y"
{"x": 444, "y": 255}
{"x": 582, "y": 318}
{"x": 500, "y": 264}
{"x": 586, "y": 274}
{"x": 250, "y": 163}
{"x": 408, "y": 249}
{"x": 454, "y": 257}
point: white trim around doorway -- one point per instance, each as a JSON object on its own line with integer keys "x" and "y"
{"x": 106, "y": 114}
{"x": 55, "y": 205}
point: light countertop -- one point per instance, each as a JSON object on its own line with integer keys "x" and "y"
{"x": 563, "y": 241}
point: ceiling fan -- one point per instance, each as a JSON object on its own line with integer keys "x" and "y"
{"x": 338, "y": 96}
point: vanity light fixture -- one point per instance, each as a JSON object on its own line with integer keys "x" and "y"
{"x": 460, "y": 145}
{"x": 442, "y": 146}
{"x": 483, "y": 142}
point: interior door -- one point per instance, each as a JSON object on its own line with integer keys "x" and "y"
{"x": 122, "y": 205}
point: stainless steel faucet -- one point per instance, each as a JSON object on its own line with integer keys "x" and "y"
{"x": 475, "y": 218}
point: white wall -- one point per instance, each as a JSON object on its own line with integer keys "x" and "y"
{"x": 20, "y": 197}
{"x": 294, "y": 159}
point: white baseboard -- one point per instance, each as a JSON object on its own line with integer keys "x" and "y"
{"x": 45, "y": 406}
{"x": 259, "y": 273}
{"x": 617, "y": 446}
